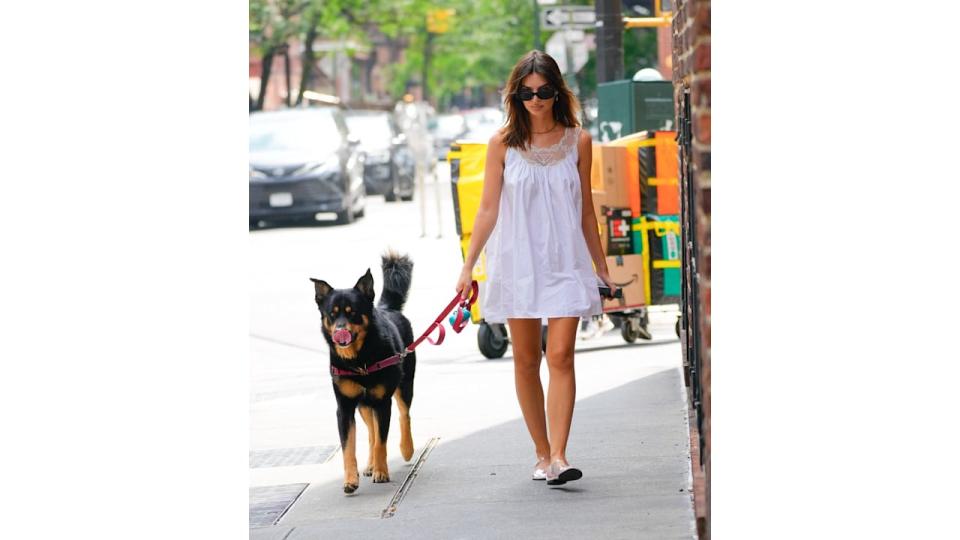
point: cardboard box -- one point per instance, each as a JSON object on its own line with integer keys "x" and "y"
{"x": 626, "y": 271}
{"x": 616, "y": 176}
{"x": 596, "y": 169}
{"x": 619, "y": 231}
{"x": 621, "y": 171}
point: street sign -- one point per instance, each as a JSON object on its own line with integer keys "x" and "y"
{"x": 569, "y": 17}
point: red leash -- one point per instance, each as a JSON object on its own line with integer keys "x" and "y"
{"x": 458, "y": 325}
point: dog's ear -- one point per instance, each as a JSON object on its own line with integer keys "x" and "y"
{"x": 365, "y": 285}
{"x": 321, "y": 289}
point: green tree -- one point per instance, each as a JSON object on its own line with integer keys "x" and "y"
{"x": 340, "y": 19}
{"x": 486, "y": 38}
{"x": 272, "y": 24}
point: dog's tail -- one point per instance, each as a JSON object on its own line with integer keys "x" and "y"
{"x": 397, "y": 275}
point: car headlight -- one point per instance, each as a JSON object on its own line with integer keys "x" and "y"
{"x": 256, "y": 175}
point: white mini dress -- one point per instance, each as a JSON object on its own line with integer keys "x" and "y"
{"x": 538, "y": 264}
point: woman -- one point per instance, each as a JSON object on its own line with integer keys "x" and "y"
{"x": 537, "y": 212}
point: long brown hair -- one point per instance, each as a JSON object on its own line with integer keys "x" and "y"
{"x": 517, "y": 132}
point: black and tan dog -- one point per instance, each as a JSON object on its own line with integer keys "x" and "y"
{"x": 360, "y": 334}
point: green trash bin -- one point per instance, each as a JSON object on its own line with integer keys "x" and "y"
{"x": 629, "y": 106}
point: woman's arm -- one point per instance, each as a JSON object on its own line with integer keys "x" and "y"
{"x": 588, "y": 216}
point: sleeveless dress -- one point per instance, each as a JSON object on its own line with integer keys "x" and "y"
{"x": 538, "y": 264}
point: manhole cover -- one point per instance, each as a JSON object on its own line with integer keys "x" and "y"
{"x": 289, "y": 457}
{"x": 268, "y": 503}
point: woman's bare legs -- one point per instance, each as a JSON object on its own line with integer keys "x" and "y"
{"x": 562, "y": 393}
{"x": 525, "y": 340}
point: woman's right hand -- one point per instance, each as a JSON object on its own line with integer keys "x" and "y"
{"x": 464, "y": 283}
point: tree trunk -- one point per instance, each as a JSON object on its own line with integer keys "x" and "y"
{"x": 265, "y": 65}
{"x": 308, "y": 60}
{"x": 286, "y": 70}
{"x": 425, "y": 81}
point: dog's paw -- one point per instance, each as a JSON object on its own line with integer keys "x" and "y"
{"x": 351, "y": 481}
{"x": 368, "y": 471}
{"x": 406, "y": 449}
{"x": 380, "y": 477}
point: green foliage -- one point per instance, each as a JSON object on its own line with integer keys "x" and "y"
{"x": 639, "y": 49}
{"x": 273, "y": 22}
{"x": 486, "y": 38}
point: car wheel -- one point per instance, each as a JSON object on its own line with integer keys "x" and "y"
{"x": 390, "y": 195}
{"x": 346, "y": 216}
{"x": 406, "y": 198}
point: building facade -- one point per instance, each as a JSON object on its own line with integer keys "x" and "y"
{"x": 691, "y": 79}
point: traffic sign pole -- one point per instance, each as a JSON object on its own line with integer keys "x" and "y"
{"x": 609, "y": 41}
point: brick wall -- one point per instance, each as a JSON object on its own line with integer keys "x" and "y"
{"x": 691, "y": 70}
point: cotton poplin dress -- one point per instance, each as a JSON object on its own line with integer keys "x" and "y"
{"x": 538, "y": 264}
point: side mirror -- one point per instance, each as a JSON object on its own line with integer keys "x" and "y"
{"x": 353, "y": 140}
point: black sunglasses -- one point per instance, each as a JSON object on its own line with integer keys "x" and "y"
{"x": 544, "y": 92}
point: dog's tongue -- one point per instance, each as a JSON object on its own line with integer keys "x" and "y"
{"x": 342, "y": 336}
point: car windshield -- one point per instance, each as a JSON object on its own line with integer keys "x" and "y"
{"x": 371, "y": 129}
{"x": 306, "y": 132}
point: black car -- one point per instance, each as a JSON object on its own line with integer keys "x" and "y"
{"x": 304, "y": 163}
{"x": 389, "y": 167}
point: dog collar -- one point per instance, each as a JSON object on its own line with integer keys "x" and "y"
{"x": 393, "y": 360}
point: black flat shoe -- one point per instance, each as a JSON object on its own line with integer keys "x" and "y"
{"x": 558, "y": 474}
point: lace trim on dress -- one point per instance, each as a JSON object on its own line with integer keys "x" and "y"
{"x": 548, "y": 155}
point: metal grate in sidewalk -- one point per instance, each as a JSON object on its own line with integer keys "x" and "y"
{"x": 269, "y": 503}
{"x": 289, "y": 457}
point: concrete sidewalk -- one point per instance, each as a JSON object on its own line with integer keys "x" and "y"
{"x": 631, "y": 442}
